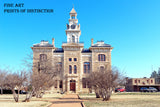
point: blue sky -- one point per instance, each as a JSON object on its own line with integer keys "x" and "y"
{"x": 132, "y": 27}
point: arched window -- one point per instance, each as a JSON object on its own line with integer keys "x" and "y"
{"x": 75, "y": 69}
{"x": 73, "y": 17}
{"x": 43, "y": 57}
{"x": 70, "y": 69}
{"x": 67, "y": 26}
{"x": 73, "y": 39}
{"x": 101, "y": 57}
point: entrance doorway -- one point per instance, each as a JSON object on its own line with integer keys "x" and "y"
{"x": 72, "y": 85}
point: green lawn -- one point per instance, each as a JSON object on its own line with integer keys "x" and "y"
{"x": 123, "y": 100}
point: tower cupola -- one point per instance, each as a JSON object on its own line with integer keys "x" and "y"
{"x": 73, "y": 31}
{"x": 73, "y": 14}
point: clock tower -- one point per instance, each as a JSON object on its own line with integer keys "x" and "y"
{"x": 73, "y": 31}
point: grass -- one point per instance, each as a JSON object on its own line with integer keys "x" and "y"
{"x": 123, "y": 100}
{"x": 6, "y": 100}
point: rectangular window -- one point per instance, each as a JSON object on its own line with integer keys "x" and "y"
{"x": 75, "y": 69}
{"x": 60, "y": 84}
{"x": 135, "y": 81}
{"x": 86, "y": 67}
{"x": 151, "y": 81}
{"x": 89, "y": 68}
{"x": 139, "y": 81}
{"x": 101, "y": 57}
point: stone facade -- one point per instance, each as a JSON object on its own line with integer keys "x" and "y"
{"x": 74, "y": 61}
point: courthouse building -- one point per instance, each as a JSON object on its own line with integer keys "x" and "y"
{"x": 73, "y": 61}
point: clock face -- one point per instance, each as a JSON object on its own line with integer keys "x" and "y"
{"x": 73, "y": 26}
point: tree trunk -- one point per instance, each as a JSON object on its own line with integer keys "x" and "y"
{"x": 97, "y": 95}
{"x": 16, "y": 98}
{"x": 28, "y": 96}
{"x": 1, "y": 91}
{"x": 106, "y": 95}
{"x": 41, "y": 94}
{"x": 18, "y": 94}
{"x": 37, "y": 94}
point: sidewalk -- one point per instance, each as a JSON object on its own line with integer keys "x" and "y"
{"x": 68, "y": 100}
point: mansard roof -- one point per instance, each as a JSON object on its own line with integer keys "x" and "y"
{"x": 58, "y": 50}
{"x": 100, "y": 44}
{"x": 43, "y": 43}
{"x": 86, "y": 51}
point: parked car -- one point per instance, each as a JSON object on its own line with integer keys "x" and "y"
{"x": 150, "y": 89}
{"x": 120, "y": 90}
{"x": 144, "y": 89}
{"x": 23, "y": 92}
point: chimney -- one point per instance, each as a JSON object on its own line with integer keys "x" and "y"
{"x": 53, "y": 41}
{"x": 92, "y": 41}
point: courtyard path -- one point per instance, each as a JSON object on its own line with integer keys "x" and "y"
{"x": 68, "y": 100}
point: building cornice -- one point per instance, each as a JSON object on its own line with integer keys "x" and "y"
{"x": 43, "y": 48}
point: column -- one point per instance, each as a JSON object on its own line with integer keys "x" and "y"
{"x": 58, "y": 85}
{"x": 68, "y": 86}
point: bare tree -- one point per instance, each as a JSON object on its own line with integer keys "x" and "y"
{"x": 15, "y": 80}
{"x": 42, "y": 74}
{"x": 103, "y": 82}
{"x": 2, "y": 80}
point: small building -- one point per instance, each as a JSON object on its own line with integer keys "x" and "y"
{"x": 134, "y": 84}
